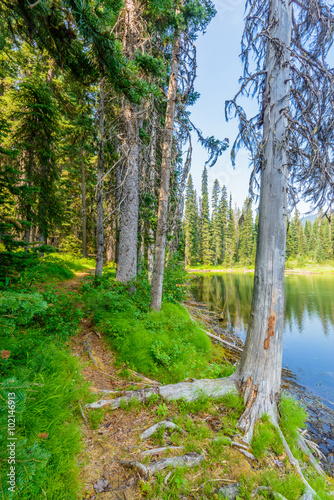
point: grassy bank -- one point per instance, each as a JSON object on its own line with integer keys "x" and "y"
{"x": 291, "y": 266}
{"x": 165, "y": 345}
{"x": 44, "y": 380}
{"x": 36, "y": 364}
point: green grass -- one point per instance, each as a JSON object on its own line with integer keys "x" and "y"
{"x": 166, "y": 345}
{"x": 48, "y": 386}
{"x": 302, "y": 266}
{"x": 53, "y": 268}
{"x": 266, "y": 439}
{"x": 293, "y": 416}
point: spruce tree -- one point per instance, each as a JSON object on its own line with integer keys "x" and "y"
{"x": 308, "y": 234}
{"x": 223, "y": 212}
{"x": 206, "y": 225}
{"x": 216, "y": 224}
{"x": 246, "y": 234}
{"x": 231, "y": 234}
{"x": 190, "y": 224}
{"x": 36, "y": 123}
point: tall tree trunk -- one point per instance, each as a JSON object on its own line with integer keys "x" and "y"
{"x": 259, "y": 372}
{"x": 160, "y": 242}
{"x": 99, "y": 187}
{"x": 151, "y": 176}
{"x": 84, "y": 209}
{"x": 128, "y": 224}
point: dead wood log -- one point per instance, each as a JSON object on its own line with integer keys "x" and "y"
{"x": 188, "y": 391}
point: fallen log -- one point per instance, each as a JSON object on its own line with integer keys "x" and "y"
{"x": 188, "y": 391}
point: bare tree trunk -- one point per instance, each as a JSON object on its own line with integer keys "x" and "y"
{"x": 259, "y": 372}
{"x": 128, "y": 224}
{"x": 84, "y": 209}
{"x": 153, "y": 149}
{"x": 99, "y": 187}
{"x": 160, "y": 242}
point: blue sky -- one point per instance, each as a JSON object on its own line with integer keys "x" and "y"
{"x": 219, "y": 68}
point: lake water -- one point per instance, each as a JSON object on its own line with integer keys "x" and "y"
{"x": 308, "y": 327}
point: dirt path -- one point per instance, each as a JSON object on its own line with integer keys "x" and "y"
{"x": 116, "y": 433}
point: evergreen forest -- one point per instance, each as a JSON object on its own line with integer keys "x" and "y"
{"x": 226, "y": 235}
{"x": 114, "y": 381}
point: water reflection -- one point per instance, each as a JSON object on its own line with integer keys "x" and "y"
{"x": 309, "y": 320}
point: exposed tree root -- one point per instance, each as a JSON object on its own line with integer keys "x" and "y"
{"x": 188, "y": 391}
{"x": 304, "y": 447}
{"x": 157, "y": 451}
{"x": 153, "y": 429}
{"x": 243, "y": 450}
{"x": 188, "y": 460}
{"x": 310, "y": 493}
{"x": 256, "y": 405}
{"x": 88, "y": 349}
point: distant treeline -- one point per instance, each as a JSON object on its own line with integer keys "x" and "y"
{"x": 228, "y": 235}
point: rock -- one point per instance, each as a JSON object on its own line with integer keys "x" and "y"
{"x": 229, "y": 492}
{"x": 101, "y": 485}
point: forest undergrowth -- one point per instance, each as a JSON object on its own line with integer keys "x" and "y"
{"x": 62, "y": 349}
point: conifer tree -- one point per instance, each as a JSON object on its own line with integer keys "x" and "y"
{"x": 231, "y": 237}
{"x": 308, "y": 232}
{"x": 190, "y": 224}
{"x": 36, "y": 124}
{"x": 223, "y": 212}
{"x": 246, "y": 234}
{"x": 206, "y": 225}
{"x": 216, "y": 224}
{"x": 325, "y": 238}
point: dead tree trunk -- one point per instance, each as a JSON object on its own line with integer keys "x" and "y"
{"x": 84, "y": 209}
{"x": 99, "y": 187}
{"x": 128, "y": 227}
{"x": 160, "y": 242}
{"x": 259, "y": 372}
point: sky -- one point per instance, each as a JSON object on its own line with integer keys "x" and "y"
{"x": 219, "y": 69}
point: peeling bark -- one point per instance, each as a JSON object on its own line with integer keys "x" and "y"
{"x": 259, "y": 371}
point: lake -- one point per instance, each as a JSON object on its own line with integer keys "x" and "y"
{"x": 308, "y": 327}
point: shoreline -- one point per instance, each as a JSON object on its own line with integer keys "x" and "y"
{"x": 328, "y": 272}
{"x": 320, "y": 424}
